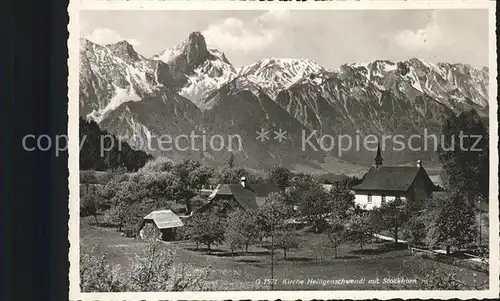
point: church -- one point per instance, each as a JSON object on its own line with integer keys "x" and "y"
{"x": 386, "y": 183}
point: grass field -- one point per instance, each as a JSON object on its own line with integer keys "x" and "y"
{"x": 313, "y": 260}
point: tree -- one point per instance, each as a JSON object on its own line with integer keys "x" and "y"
{"x": 230, "y": 161}
{"x": 234, "y": 238}
{"x": 272, "y": 219}
{"x": 359, "y": 229}
{"x": 454, "y": 222}
{"x": 125, "y": 203}
{"x": 415, "y": 230}
{"x": 465, "y": 168}
{"x": 207, "y": 228}
{"x": 342, "y": 203}
{"x": 273, "y": 214}
{"x": 341, "y": 200}
{"x": 279, "y": 175}
{"x": 390, "y": 216}
{"x": 275, "y": 211}
{"x": 88, "y": 207}
{"x": 336, "y": 234}
{"x": 234, "y": 235}
{"x": 200, "y": 176}
{"x": 315, "y": 207}
{"x": 157, "y": 165}
{"x": 230, "y": 175}
{"x": 242, "y": 229}
{"x": 313, "y": 202}
{"x": 285, "y": 239}
{"x": 263, "y": 222}
{"x": 187, "y": 179}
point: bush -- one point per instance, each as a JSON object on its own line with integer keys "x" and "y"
{"x": 153, "y": 269}
{"x": 96, "y": 274}
{"x": 88, "y": 177}
{"x": 89, "y": 206}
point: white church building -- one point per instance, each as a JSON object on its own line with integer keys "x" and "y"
{"x": 387, "y": 183}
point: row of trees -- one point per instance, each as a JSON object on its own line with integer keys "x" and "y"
{"x": 301, "y": 199}
{"x": 155, "y": 186}
{"x": 129, "y": 197}
{"x": 241, "y": 228}
{"x": 445, "y": 222}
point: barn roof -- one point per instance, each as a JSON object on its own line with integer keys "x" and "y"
{"x": 251, "y": 196}
{"x": 164, "y": 219}
{"x": 390, "y": 178}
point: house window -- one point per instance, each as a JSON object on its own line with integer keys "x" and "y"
{"x": 383, "y": 199}
{"x": 369, "y": 198}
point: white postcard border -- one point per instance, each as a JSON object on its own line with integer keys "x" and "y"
{"x": 73, "y": 148}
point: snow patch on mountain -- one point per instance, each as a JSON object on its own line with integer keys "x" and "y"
{"x": 169, "y": 54}
{"x": 206, "y": 70}
{"x": 111, "y": 75}
{"x": 210, "y": 76}
{"x": 277, "y": 74}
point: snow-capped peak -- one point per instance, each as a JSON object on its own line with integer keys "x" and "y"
{"x": 205, "y": 69}
{"x": 277, "y": 74}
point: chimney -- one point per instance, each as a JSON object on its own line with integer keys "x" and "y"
{"x": 419, "y": 163}
{"x": 243, "y": 181}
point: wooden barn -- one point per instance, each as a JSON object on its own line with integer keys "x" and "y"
{"x": 161, "y": 224}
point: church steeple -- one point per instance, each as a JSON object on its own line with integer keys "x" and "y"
{"x": 378, "y": 157}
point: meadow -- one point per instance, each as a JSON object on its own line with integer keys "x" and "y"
{"x": 312, "y": 266}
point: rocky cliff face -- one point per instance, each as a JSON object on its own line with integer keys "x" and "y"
{"x": 204, "y": 69}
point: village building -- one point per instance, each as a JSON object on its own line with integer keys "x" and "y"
{"x": 161, "y": 224}
{"x": 243, "y": 196}
{"x": 386, "y": 183}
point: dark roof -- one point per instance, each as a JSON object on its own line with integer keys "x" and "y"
{"x": 390, "y": 178}
{"x": 250, "y": 197}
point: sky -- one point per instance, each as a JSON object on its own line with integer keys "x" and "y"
{"x": 330, "y": 38}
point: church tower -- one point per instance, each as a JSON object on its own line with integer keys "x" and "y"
{"x": 378, "y": 158}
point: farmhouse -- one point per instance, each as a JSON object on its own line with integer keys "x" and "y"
{"x": 160, "y": 224}
{"x": 387, "y": 183}
{"x": 243, "y": 196}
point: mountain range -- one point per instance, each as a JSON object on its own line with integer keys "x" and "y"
{"x": 191, "y": 87}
